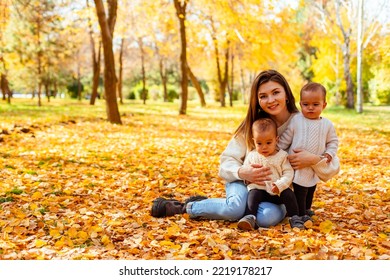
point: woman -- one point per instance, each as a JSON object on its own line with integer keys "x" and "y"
{"x": 272, "y": 97}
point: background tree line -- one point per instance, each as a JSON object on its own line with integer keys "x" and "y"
{"x": 187, "y": 49}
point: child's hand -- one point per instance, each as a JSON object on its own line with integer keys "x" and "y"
{"x": 328, "y": 157}
{"x": 275, "y": 189}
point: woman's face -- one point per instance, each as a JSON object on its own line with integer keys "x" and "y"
{"x": 272, "y": 98}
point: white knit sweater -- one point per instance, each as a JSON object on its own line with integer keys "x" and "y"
{"x": 317, "y": 137}
{"x": 232, "y": 158}
{"x": 282, "y": 172}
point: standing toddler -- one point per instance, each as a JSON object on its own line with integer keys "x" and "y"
{"x": 313, "y": 133}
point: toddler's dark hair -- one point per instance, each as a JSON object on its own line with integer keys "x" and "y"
{"x": 264, "y": 124}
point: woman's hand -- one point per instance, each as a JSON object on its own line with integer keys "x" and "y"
{"x": 255, "y": 173}
{"x": 302, "y": 158}
{"x": 275, "y": 189}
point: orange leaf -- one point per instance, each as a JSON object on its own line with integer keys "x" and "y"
{"x": 326, "y": 226}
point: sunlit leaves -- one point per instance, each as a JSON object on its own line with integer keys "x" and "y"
{"x": 326, "y": 226}
{"x": 83, "y": 190}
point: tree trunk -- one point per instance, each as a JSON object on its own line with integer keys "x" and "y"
{"x": 197, "y": 86}
{"x": 164, "y": 79}
{"x": 120, "y": 71}
{"x": 359, "y": 107}
{"x": 39, "y": 60}
{"x": 347, "y": 74}
{"x": 2, "y": 86}
{"x": 221, "y": 81}
{"x": 39, "y": 94}
{"x": 95, "y": 62}
{"x": 231, "y": 85}
{"x": 47, "y": 89}
{"x": 143, "y": 72}
{"x": 5, "y": 88}
{"x": 79, "y": 89}
{"x": 181, "y": 15}
{"x": 346, "y": 56}
{"x": 107, "y": 32}
{"x": 221, "y": 88}
{"x": 226, "y": 73}
{"x": 243, "y": 86}
{"x": 55, "y": 89}
{"x": 96, "y": 74}
{"x": 338, "y": 79}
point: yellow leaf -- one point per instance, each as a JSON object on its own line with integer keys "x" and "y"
{"x": 19, "y": 214}
{"x": 150, "y": 235}
{"x": 33, "y": 206}
{"x": 230, "y": 253}
{"x": 300, "y": 246}
{"x": 114, "y": 223}
{"x": 185, "y": 248}
{"x": 72, "y": 232}
{"x": 211, "y": 242}
{"x": 55, "y": 233}
{"x": 37, "y": 195}
{"x": 83, "y": 235}
{"x": 96, "y": 229}
{"x": 105, "y": 240}
{"x": 110, "y": 246}
{"x": 70, "y": 242}
{"x": 68, "y": 191}
{"x": 326, "y": 226}
{"x": 60, "y": 243}
{"x": 382, "y": 235}
{"x": 166, "y": 243}
{"x": 176, "y": 247}
{"x": 40, "y": 243}
{"x": 8, "y": 229}
{"x": 173, "y": 230}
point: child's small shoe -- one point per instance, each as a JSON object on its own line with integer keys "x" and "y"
{"x": 296, "y": 222}
{"x": 307, "y": 221}
{"x": 247, "y": 222}
{"x": 310, "y": 212}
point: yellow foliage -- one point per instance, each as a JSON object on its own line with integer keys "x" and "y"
{"x": 326, "y": 226}
{"x": 93, "y": 198}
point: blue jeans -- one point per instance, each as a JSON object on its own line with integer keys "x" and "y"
{"x": 232, "y": 208}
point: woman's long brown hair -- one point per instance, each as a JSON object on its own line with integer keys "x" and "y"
{"x": 254, "y": 109}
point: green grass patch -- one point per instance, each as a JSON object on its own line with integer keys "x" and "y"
{"x": 15, "y": 191}
{"x": 22, "y": 111}
{"x": 6, "y": 199}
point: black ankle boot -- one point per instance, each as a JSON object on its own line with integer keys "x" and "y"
{"x": 163, "y": 207}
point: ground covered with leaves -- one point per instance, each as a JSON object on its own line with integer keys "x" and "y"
{"x": 73, "y": 186}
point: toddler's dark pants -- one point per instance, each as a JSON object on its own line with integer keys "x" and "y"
{"x": 287, "y": 197}
{"x": 304, "y": 197}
